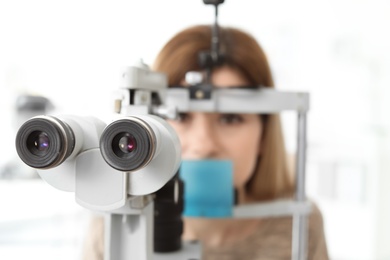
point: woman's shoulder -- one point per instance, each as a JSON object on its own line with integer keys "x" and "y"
{"x": 274, "y": 238}
{"x": 316, "y": 239}
{"x": 315, "y": 210}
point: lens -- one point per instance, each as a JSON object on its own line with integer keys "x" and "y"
{"x": 127, "y": 144}
{"x": 44, "y": 142}
{"x": 38, "y": 143}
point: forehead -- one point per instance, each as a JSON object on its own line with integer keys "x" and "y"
{"x": 227, "y": 77}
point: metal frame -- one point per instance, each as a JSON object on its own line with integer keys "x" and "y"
{"x": 263, "y": 101}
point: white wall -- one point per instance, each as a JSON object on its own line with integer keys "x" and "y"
{"x": 71, "y": 51}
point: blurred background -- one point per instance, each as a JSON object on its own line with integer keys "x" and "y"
{"x": 61, "y": 56}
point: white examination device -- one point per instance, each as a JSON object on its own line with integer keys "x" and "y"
{"x": 115, "y": 167}
{"x": 112, "y": 167}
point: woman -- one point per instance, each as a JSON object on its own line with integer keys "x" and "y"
{"x": 254, "y": 143}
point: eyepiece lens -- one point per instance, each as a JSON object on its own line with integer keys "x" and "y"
{"x": 127, "y": 143}
{"x": 42, "y": 142}
{"x": 38, "y": 143}
{"x": 124, "y": 144}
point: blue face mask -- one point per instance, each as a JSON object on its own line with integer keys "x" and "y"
{"x": 208, "y": 188}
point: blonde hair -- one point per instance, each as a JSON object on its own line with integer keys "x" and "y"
{"x": 272, "y": 178}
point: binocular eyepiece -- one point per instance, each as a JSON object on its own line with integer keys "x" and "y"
{"x": 44, "y": 142}
{"x": 126, "y": 144}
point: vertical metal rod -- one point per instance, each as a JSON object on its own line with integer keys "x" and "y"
{"x": 299, "y": 236}
{"x": 301, "y": 158}
{"x": 129, "y": 236}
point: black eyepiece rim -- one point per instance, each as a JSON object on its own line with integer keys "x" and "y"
{"x": 136, "y": 159}
{"x": 61, "y": 138}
